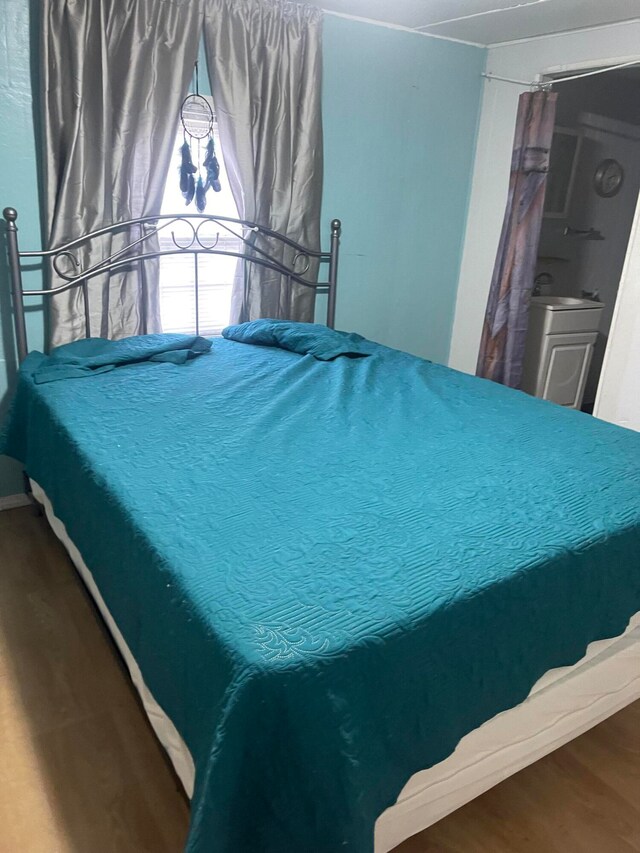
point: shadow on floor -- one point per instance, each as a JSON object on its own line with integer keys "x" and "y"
{"x": 81, "y": 769}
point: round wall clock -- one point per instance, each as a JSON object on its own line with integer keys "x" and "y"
{"x": 608, "y": 178}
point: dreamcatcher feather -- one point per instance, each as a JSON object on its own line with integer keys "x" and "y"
{"x": 187, "y": 171}
{"x": 213, "y": 168}
{"x": 196, "y": 116}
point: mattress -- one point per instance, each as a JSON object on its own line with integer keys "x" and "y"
{"x": 563, "y": 704}
{"x": 330, "y": 572}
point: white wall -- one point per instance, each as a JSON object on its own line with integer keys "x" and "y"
{"x": 523, "y": 61}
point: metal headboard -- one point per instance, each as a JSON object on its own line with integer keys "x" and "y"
{"x": 196, "y": 243}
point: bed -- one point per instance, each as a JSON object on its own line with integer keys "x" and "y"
{"x": 353, "y": 592}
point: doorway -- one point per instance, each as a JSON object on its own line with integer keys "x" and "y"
{"x": 592, "y": 193}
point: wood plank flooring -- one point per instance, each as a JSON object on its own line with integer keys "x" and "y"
{"x": 81, "y": 771}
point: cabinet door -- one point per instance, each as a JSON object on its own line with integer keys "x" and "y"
{"x": 566, "y": 361}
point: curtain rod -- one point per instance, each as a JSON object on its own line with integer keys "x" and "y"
{"x": 540, "y": 83}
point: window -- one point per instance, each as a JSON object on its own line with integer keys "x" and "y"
{"x": 215, "y": 272}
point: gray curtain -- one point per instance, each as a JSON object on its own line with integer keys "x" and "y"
{"x": 505, "y": 325}
{"x": 113, "y": 77}
{"x": 265, "y": 64}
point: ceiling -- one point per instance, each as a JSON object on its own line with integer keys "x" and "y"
{"x": 489, "y": 21}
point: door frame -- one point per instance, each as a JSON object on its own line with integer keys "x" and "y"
{"x": 619, "y": 381}
{"x": 615, "y": 387}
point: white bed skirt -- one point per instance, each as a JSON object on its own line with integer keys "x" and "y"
{"x": 563, "y": 704}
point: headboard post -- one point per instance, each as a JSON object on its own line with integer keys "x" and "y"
{"x": 336, "y": 228}
{"x": 10, "y": 215}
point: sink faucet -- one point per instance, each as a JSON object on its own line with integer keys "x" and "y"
{"x": 543, "y": 279}
{"x": 593, "y": 295}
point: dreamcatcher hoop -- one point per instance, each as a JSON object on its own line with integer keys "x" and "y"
{"x": 197, "y": 120}
{"x": 196, "y": 116}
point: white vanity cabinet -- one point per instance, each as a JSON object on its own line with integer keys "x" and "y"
{"x": 562, "y": 333}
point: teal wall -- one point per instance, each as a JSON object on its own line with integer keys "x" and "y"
{"x": 19, "y": 189}
{"x": 400, "y": 115}
{"x": 400, "y": 118}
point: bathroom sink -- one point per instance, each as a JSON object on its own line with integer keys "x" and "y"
{"x": 562, "y": 303}
{"x": 565, "y": 314}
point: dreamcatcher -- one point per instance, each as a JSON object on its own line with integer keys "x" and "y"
{"x": 197, "y": 122}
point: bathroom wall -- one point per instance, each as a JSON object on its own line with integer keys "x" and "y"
{"x": 581, "y": 266}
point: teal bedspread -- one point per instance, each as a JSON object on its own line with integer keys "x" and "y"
{"x": 331, "y": 571}
{"x": 84, "y": 358}
{"x": 304, "y": 338}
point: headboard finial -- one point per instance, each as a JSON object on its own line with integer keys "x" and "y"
{"x": 336, "y": 226}
{"x": 10, "y": 214}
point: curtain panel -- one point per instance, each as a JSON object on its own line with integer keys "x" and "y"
{"x": 505, "y": 325}
{"x": 113, "y": 76}
{"x": 265, "y": 64}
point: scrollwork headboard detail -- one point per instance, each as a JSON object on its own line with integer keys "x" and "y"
{"x": 65, "y": 264}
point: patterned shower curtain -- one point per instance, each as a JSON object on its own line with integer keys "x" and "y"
{"x": 505, "y": 324}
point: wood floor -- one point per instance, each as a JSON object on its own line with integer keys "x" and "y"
{"x": 81, "y": 772}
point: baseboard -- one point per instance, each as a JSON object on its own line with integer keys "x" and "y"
{"x": 13, "y": 501}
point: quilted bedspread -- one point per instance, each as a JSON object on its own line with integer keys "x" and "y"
{"x": 331, "y": 571}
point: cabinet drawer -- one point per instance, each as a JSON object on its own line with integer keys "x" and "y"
{"x": 566, "y": 322}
